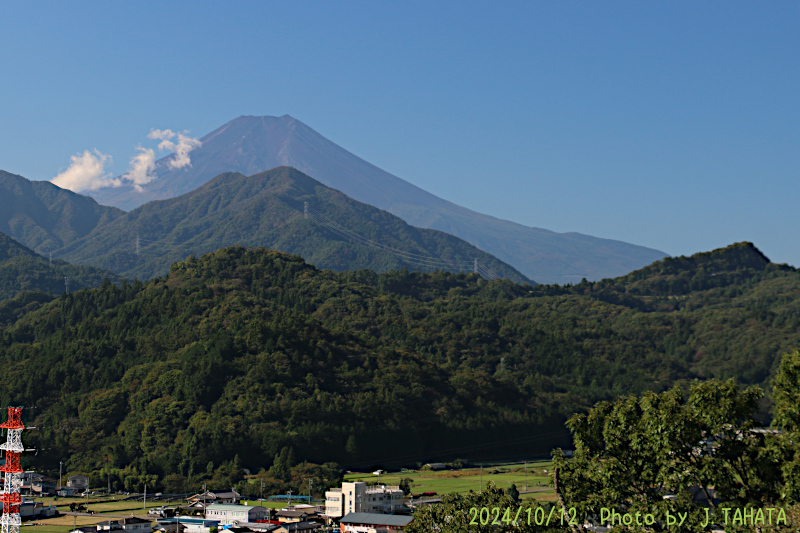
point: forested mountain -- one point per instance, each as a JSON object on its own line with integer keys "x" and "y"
{"x": 250, "y": 145}
{"x": 246, "y": 357}
{"x": 45, "y": 217}
{"x": 22, "y": 270}
{"x": 267, "y": 209}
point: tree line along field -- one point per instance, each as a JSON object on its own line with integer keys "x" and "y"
{"x": 464, "y": 480}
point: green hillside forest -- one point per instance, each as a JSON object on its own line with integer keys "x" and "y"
{"x": 282, "y": 209}
{"x": 253, "y": 359}
{"x": 23, "y": 271}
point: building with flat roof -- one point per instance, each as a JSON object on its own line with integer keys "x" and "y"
{"x": 358, "y": 497}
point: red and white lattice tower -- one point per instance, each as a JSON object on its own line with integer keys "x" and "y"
{"x": 10, "y": 520}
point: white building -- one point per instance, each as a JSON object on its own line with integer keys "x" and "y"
{"x": 229, "y": 514}
{"x": 357, "y": 497}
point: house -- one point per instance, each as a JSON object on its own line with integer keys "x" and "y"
{"x": 129, "y": 525}
{"x": 43, "y": 486}
{"x": 436, "y": 466}
{"x": 292, "y": 527}
{"x": 358, "y": 497}
{"x": 295, "y": 515}
{"x": 209, "y": 497}
{"x": 78, "y": 482}
{"x": 28, "y": 510}
{"x": 366, "y": 522}
{"x": 109, "y": 525}
{"x": 229, "y": 514}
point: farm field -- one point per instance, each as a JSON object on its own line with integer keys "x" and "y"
{"x": 118, "y": 507}
{"x": 60, "y": 524}
{"x": 460, "y": 481}
{"x": 102, "y": 508}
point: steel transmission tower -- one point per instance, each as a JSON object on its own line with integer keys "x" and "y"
{"x": 10, "y": 520}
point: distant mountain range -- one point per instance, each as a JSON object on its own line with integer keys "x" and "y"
{"x": 282, "y": 209}
{"x": 250, "y": 145}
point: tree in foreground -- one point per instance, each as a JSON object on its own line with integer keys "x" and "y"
{"x": 671, "y": 462}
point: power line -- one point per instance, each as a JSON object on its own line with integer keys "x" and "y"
{"x": 410, "y": 257}
{"x": 323, "y": 220}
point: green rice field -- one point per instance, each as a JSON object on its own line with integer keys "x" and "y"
{"x": 536, "y": 484}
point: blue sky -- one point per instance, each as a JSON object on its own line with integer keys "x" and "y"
{"x": 674, "y": 125}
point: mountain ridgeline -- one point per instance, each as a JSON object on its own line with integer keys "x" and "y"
{"x": 45, "y": 217}
{"x": 281, "y": 209}
{"x": 245, "y": 357}
{"x": 251, "y": 145}
{"x": 22, "y": 270}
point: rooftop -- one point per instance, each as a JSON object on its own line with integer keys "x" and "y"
{"x": 377, "y": 519}
{"x": 231, "y": 507}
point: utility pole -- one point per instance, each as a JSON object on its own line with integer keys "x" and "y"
{"x": 481, "y": 478}
{"x": 526, "y": 475}
{"x": 262, "y": 491}
{"x": 60, "y": 464}
{"x": 145, "y": 497}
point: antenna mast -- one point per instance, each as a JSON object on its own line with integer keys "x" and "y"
{"x": 10, "y": 520}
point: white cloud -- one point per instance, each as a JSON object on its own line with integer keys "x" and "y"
{"x": 142, "y": 168}
{"x": 86, "y": 172}
{"x": 182, "y": 148}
